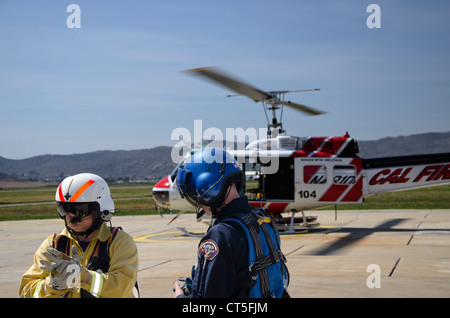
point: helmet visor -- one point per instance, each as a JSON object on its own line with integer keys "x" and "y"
{"x": 79, "y": 209}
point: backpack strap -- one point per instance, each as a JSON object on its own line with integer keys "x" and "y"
{"x": 253, "y": 221}
{"x": 100, "y": 257}
{"x": 61, "y": 243}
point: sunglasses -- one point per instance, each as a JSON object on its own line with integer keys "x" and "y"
{"x": 79, "y": 209}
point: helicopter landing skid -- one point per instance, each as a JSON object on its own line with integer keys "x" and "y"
{"x": 296, "y": 225}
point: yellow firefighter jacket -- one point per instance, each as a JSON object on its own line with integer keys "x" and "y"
{"x": 119, "y": 281}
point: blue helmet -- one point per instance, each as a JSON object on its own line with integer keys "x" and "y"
{"x": 206, "y": 177}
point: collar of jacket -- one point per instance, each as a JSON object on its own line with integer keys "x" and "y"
{"x": 238, "y": 205}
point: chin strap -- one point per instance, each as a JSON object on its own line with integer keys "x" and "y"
{"x": 219, "y": 205}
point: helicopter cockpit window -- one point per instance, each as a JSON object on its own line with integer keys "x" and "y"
{"x": 173, "y": 174}
{"x": 344, "y": 174}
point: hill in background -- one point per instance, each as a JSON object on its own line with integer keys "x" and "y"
{"x": 149, "y": 165}
{"x": 145, "y": 164}
{"x": 405, "y": 145}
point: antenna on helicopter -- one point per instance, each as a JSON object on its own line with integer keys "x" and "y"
{"x": 271, "y": 101}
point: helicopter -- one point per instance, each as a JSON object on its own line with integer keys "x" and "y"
{"x": 311, "y": 172}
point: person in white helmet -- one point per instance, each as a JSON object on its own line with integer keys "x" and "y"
{"x": 87, "y": 258}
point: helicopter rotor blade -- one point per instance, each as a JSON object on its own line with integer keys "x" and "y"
{"x": 176, "y": 216}
{"x": 228, "y": 81}
{"x": 238, "y": 86}
{"x": 303, "y": 108}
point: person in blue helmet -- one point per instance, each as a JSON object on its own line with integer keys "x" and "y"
{"x": 240, "y": 255}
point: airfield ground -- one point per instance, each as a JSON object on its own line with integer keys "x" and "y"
{"x": 411, "y": 249}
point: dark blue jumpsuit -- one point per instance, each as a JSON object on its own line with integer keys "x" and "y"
{"x": 222, "y": 255}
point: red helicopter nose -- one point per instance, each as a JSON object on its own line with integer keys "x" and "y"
{"x": 161, "y": 192}
{"x": 163, "y": 183}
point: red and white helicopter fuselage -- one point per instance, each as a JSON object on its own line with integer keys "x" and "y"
{"x": 297, "y": 174}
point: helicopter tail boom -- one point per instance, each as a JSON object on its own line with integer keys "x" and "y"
{"x": 406, "y": 172}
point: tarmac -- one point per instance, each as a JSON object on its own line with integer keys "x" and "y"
{"x": 361, "y": 254}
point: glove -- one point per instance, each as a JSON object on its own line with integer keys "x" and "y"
{"x": 64, "y": 270}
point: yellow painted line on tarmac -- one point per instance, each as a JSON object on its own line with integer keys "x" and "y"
{"x": 146, "y": 238}
{"x": 157, "y": 237}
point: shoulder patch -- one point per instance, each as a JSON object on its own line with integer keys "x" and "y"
{"x": 208, "y": 249}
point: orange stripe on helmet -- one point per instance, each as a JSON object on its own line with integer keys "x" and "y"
{"x": 81, "y": 190}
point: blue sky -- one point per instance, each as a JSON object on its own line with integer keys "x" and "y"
{"x": 115, "y": 83}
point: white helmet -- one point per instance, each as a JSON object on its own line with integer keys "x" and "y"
{"x": 85, "y": 191}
